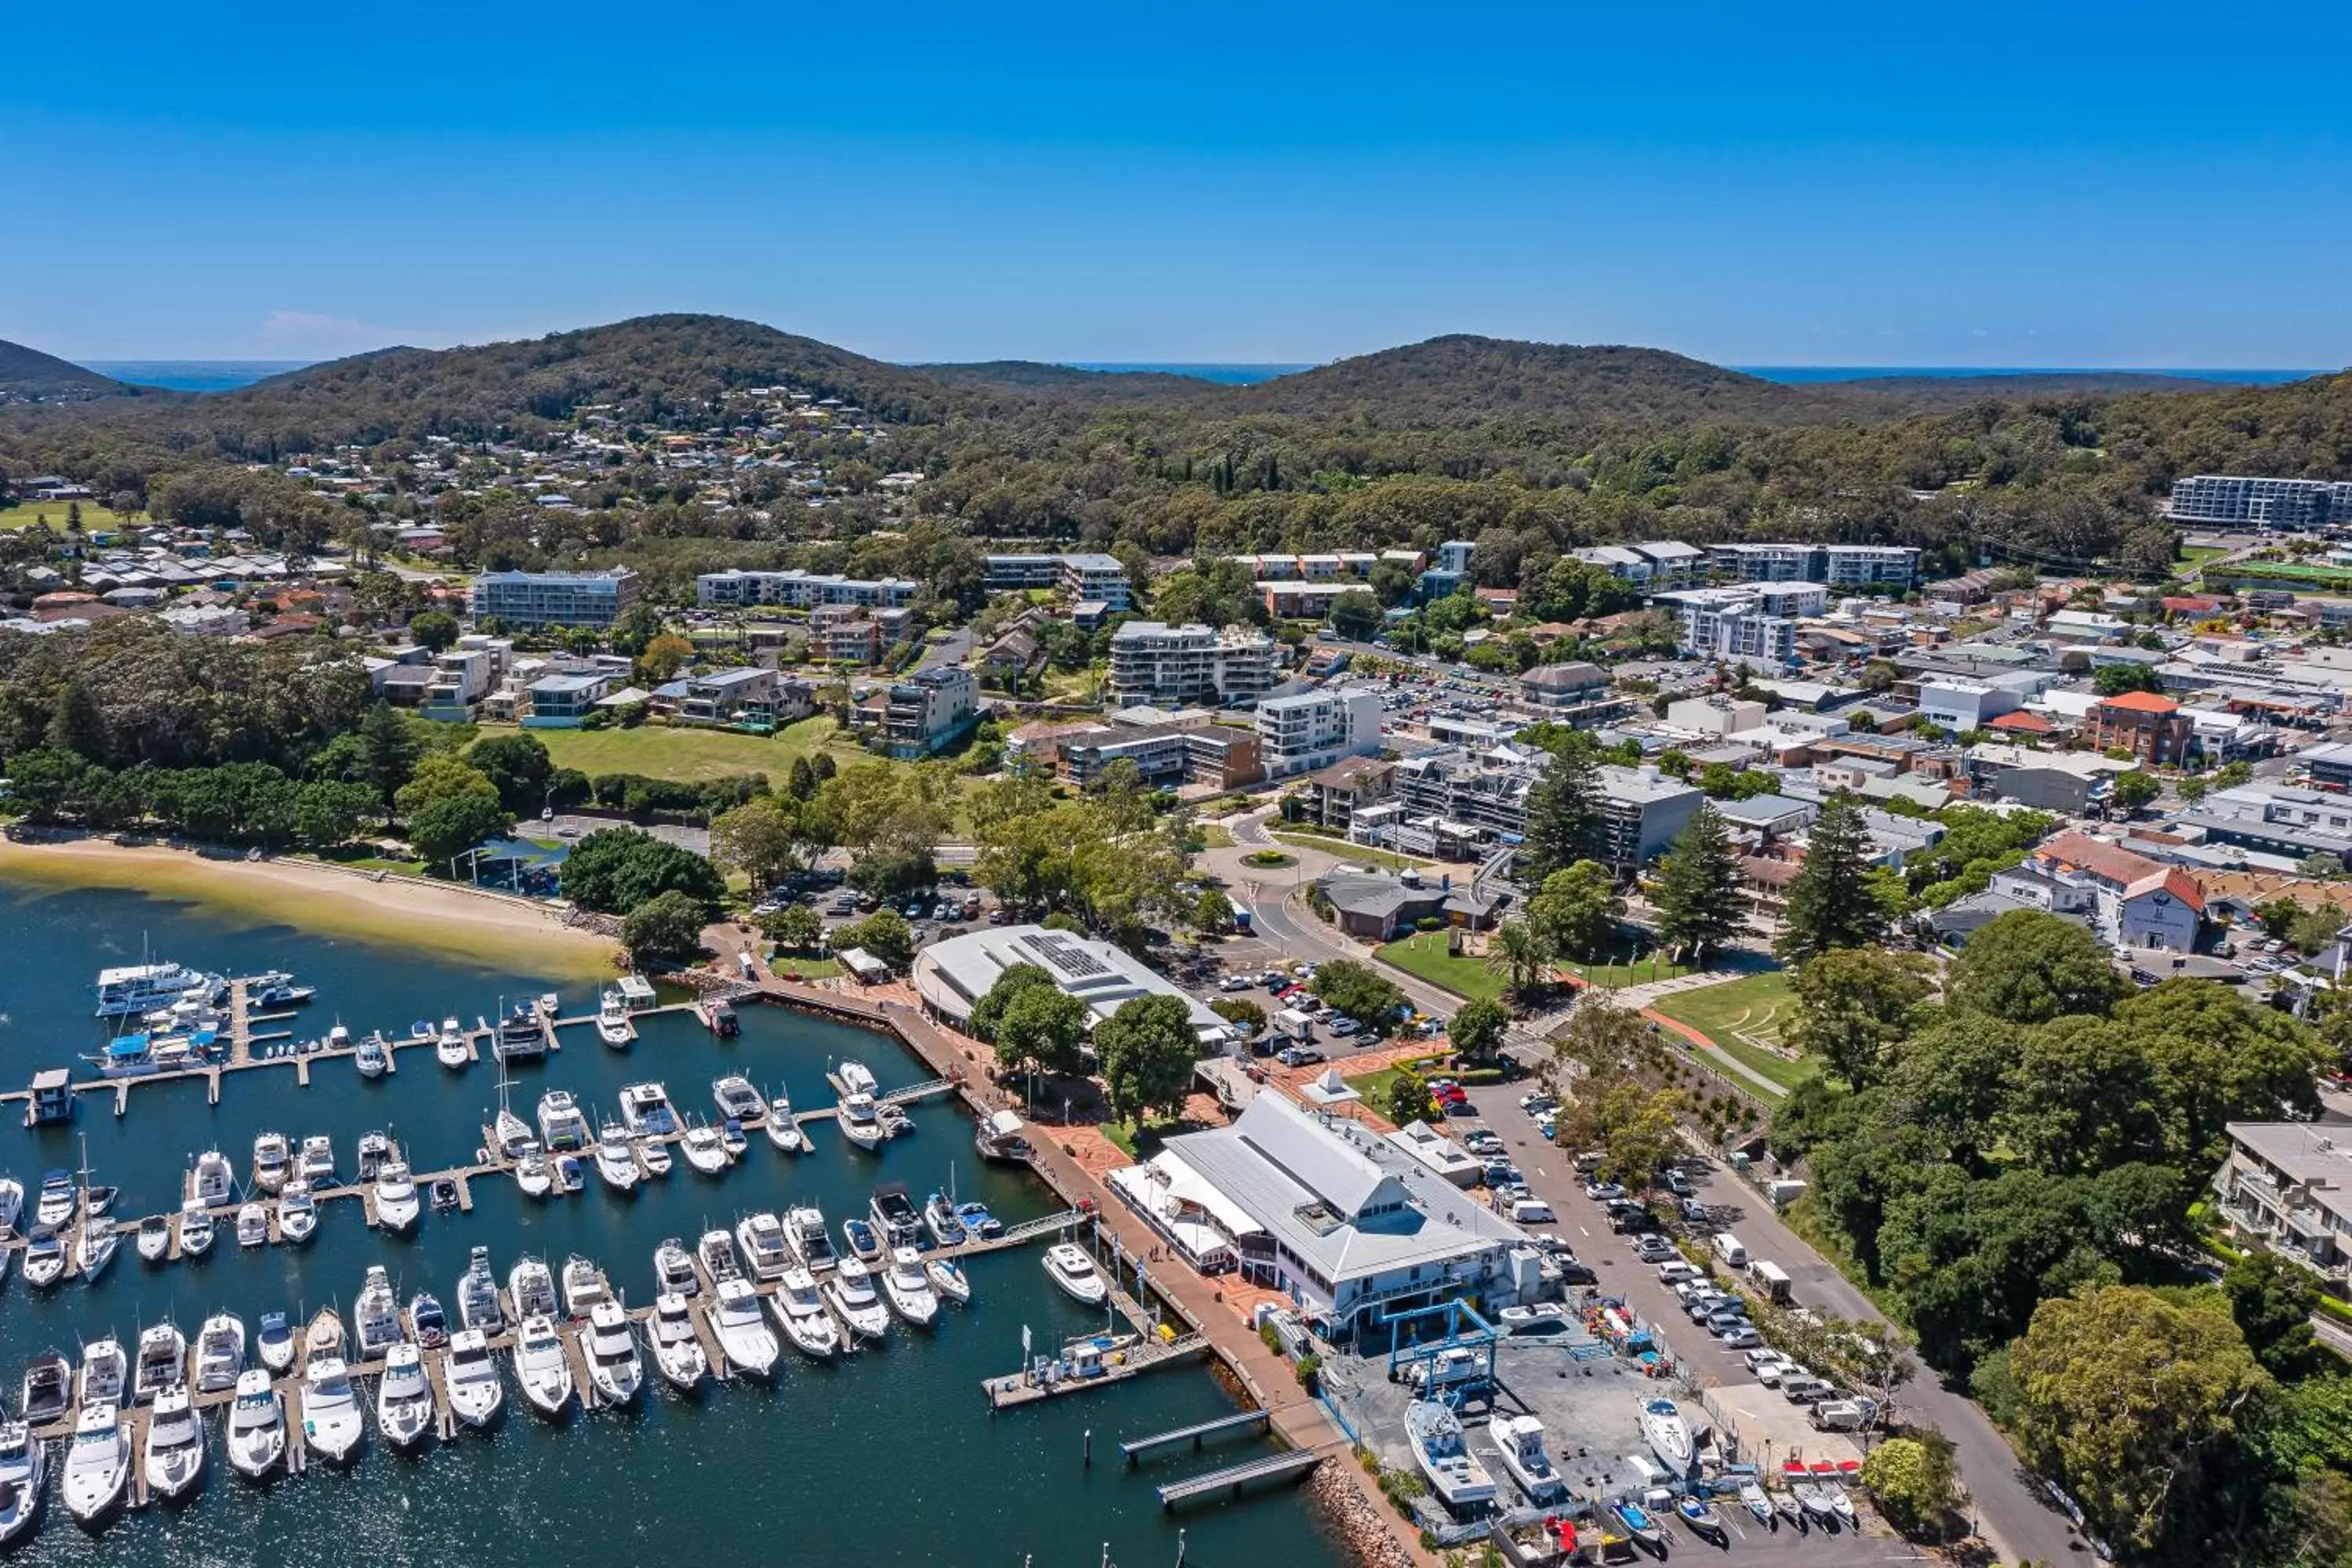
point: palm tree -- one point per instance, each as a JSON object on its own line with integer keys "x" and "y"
{"x": 1520, "y": 954}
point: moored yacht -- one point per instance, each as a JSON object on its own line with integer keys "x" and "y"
{"x": 1069, "y": 1266}
{"x": 195, "y": 1228}
{"x": 211, "y": 1179}
{"x": 318, "y": 1163}
{"x": 801, "y": 1311}
{"x": 745, "y": 1339}
{"x": 47, "y": 1389}
{"x": 220, "y": 1353}
{"x": 531, "y": 1288}
{"x": 297, "y": 1213}
{"x": 673, "y": 1272}
{"x": 611, "y": 1350}
{"x": 175, "y": 1445}
{"x": 737, "y": 1100}
{"x": 396, "y": 1204}
{"x": 677, "y": 1349}
{"x": 154, "y": 1237}
{"x": 373, "y": 1056}
{"x": 584, "y": 1286}
{"x": 375, "y": 1315}
{"x": 376, "y": 1149}
{"x": 909, "y": 1287}
{"x": 949, "y": 1279}
{"x": 273, "y": 1343}
{"x": 23, "y": 1462}
{"x": 404, "y": 1398}
{"x": 449, "y": 1048}
{"x": 58, "y": 1199}
{"x": 804, "y": 1233}
{"x": 616, "y": 1162}
{"x": 861, "y": 1123}
{"x": 45, "y": 1259}
{"x": 162, "y": 1362}
{"x": 478, "y": 1295}
{"x": 783, "y": 1128}
{"x": 428, "y": 1325}
{"x": 613, "y": 1026}
{"x": 653, "y": 1156}
{"x": 105, "y": 1377}
{"x": 562, "y": 1129}
{"x": 472, "y": 1376}
{"x": 542, "y": 1367}
{"x": 851, "y": 1291}
{"x": 894, "y": 1215}
{"x": 716, "y": 1251}
{"x": 257, "y": 1426}
{"x": 252, "y": 1225}
{"x": 706, "y": 1151}
{"x": 940, "y": 1219}
{"x": 646, "y": 1111}
{"x": 332, "y": 1421}
{"x": 135, "y": 989}
{"x": 94, "y": 1245}
{"x": 761, "y": 1235}
{"x": 861, "y": 1240}
{"x": 857, "y": 1078}
{"x": 98, "y": 1463}
{"x": 531, "y": 1171}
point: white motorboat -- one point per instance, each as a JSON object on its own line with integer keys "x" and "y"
{"x": 804, "y": 1233}
{"x": 851, "y": 1291}
{"x": 274, "y": 1342}
{"x": 211, "y": 1178}
{"x": 1521, "y": 1440}
{"x": 317, "y": 1168}
{"x": 162, "y": 1362}
{"x": 428, "y": 1325}
{"x": 530, "y": 1286}
{"x": 98, "y": 1462}
{"x": 542, "y": 1367}
{"x": 562, "y": 1129}
{"x": 105, "y": 1377}
{"x": 375, "y": 1315}
{"x": 569, "y": 1178}
{"x": 584, "y": 1286}
{"x": 47, "y": 1389}
{"x": 154, "y": 1237}
{"x": 613, "y": 1026}
{"x": 376, "y": 1150}
{"x": 332, "y": 1421}
{"x": 22, "y": 1463}
{"x": 717, "y": 1252}
{"x": 220, "y": 1353}
{"x": 11, "y": 1204}
{"x": 1668, "y": 1435}
{"x": 257, "y": 1426}
{"x": 373, "y": 1056}
{"x": 510, "y": 1131}
{"x": 862, "y": 1240}
{"x": 1454, "y": 1475}
{"x": 449, "y": 1048}
{"x": 297, "y": 1213}
{"x": 673, "y": 1272}
{"x": 784, "y": 1128}
{"x": 550, "y": 1005}
{"x": 252, "y": 1225}
{"x": 744, "y": 1338}
{"x": 950, "y": 1280}
{"x": 1841, "y": 1503}
{"x": 677, "y": 1349}
{"x": 940, "y": 1219}
{"x": 57, "y": 1200}
{"x": 653, "y": 1156}
{"x": 404, "y": 1398}
{"x": 396, "y": 1203}
{"x": 94, "y": 1247}
{"x": 478, "y": 1295}
{"x": 134, "y": 989}
{"x": 646, "y": 1111}
{"x": 737, "y": 1100}
{"x": 475, "y": 1390}
{"x": 1069, "y": 1266}
{"x": 895, "y": 1216}
{"x": 175, "y": 1445}
{"x": 760, "y": 1237}
{"x": 273, "y": 1161}
{"x": 801, "y": 1311}
{"x": 45, "y": 1259}
{"x": 616, "y": 1163}
{"x": 706, "y": 1151}
{"x": 531, "y": 1171}
{"x": 909, "y": 1287}
{"x": 858, "y": 1078}
{"x": 861, "y": 1123}
{"x": 614, "y": 1367}
{"x": 195, "y": 1228}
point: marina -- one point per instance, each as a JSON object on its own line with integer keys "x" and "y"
{"x": 444, "y": 1120}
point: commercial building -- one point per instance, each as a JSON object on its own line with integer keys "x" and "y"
{"x": 1378, "y": 905}
{"x": 1642, "y": 810}
{"x": 2152, "y": 729}
{"x": 1153, "y": 662}
{"x": 1178, "y": 752}
{"x": 1315, "y": 728}
{"x": 1329, "y": 1213}
{"x": 951, "y": 976}
{"x": 1753, "y": 622}
{"x": 1571, "y": 685}
{"x": 929, "y": 709}
{"x": 1449, "y": 570}
{"x": 1088, "y": 578}
{"x": 2125, "y": 898}
{"x": 2288, "y": 1185}
{"x": 2244, "y": 500}
{"x": 800, "y": 590}
{"x": 554, "y": 598}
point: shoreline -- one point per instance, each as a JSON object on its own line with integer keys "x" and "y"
{"x": 398, "y": 910}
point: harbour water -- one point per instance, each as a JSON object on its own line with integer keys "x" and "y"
{"x": 891, "y": 1457}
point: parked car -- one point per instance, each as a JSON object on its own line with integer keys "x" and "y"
{"x": 1233, "y": 982}
{"x": 1344, "y": 1026}
{"x": 1298, "y": 1055}
{"x": 1766, "y": 1366}
{"x": 1675, "y": 1270}
{"x": 1600, "y": 1191}
{"x": 1694, "y": 1211}
{"x": 1653, "y": 1248}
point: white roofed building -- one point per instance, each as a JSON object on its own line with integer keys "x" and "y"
{"x": 951, "y": 976}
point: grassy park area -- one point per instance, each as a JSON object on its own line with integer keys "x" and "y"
{"x": 94, "y": 517}
{"x": 1744, "y": 1018}
{"x": 1424, "y": 956}
{"x": 690, "y": 756}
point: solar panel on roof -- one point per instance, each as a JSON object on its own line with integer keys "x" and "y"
{"x": 1069, "y": 957}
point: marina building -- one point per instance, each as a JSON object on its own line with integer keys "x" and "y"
{"x": 554, "y": 598}
{"x": 2244, "y": 500}
{"x": 1323, "y": 1210}
{"x": 1167, "y": 665}
{"x": 951, "y": 976}
{"x": 797, "y": 589}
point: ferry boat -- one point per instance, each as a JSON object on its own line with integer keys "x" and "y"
{"x": 1454, "y": 1474}
{"x": 137, "y": 988}
{"x": 646, "y": 1111}
{"x": 562, "y": 1129}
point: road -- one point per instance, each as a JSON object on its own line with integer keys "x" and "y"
{"x": 2012, "y": 1510}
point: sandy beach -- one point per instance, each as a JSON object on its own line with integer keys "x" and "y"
{"x": 402, "y": 910}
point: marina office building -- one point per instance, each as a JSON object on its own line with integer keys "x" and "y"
{"x": 1343, "y": 1222}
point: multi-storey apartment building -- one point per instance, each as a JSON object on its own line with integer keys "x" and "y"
{"x": 1088, "y": 577}
{"x": 2248, "y": 502}
{"x": 1152, "y": 662}
{"x": 1315, "y": 728}
{"x": 554, "y": 598}
{"x": 1752, "y": 621}
{"x": 929, "y": 709}
{"x": 2153, "y": 729}
{"x": 1837, "y": 565}
{"x": 796, "y": 589}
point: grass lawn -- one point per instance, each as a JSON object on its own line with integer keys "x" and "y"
{"x": 1374, "y": 1086}
{"x": 1138, "y": 1140}
{"x": 805, "y": 968}
{"x": 2192, "y": 557}
{"x": 24, "y": 514}
{"x": 378, "y": 863}
{"x": 1740, "y": 1017}
{"x": 1424, "y": 956}
{"x": 689, "y": 756}
{"x": 1360, "y": 854}
{"x": 1615, "y": 972}
{"x": 1215, "y": 836}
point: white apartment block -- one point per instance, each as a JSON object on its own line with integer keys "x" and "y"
{"x": 800, "y": 590}
{"x": 1755, "y": 622}
{"x": 1351, "y": 565}
{"x": 1090, "y": 578}
{"x": 1837, "y": 565}
{"x": 1315, "y": 728}
{"x": 1152, "y": 662}
{"x": 2251, "y": 502}
{"x": 1662, "y": 563}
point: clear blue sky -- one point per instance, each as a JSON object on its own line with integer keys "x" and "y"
{"x": 1830, "y": 184}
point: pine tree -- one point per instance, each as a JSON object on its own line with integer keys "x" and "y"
{"x": 1700, "y": 905}
{"x": 1832, "y": 902}
{"x": 76, "y": 725}
{"x": 1563, "y": 819}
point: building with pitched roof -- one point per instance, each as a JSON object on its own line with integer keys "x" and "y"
{"x": 2126, "y": 899}
{"x": 2152, "y": 729}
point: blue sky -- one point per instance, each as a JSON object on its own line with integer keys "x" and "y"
{"x": 1832, "y": 183}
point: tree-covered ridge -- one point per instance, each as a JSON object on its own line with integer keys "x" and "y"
{"x": 30, "y": 374}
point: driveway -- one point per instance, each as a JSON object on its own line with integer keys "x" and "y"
{"x": 2012, "y": 1510}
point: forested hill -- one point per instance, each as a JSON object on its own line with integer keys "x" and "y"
{"x": 1453, "y": 382}
{"x": 30, "y": 375}
{"x": 1068, "y": 381}
{"x": 1937, "y": 393}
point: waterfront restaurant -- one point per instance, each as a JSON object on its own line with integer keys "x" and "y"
{"x": 1329, "y": 1213}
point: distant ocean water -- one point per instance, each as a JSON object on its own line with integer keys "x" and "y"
{"x": 193, "y": 375}
{"x": 1798, "y": 375}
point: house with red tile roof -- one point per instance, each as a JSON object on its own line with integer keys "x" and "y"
{"x": 2127, "y": 899}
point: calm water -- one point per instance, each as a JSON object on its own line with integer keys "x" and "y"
{"x": 195, "y": 374}
{"x": 889, "y": 1458}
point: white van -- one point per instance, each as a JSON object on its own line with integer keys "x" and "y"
{"x": 1531, "y": 1211}
{"x": 1731, "y": 1250}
